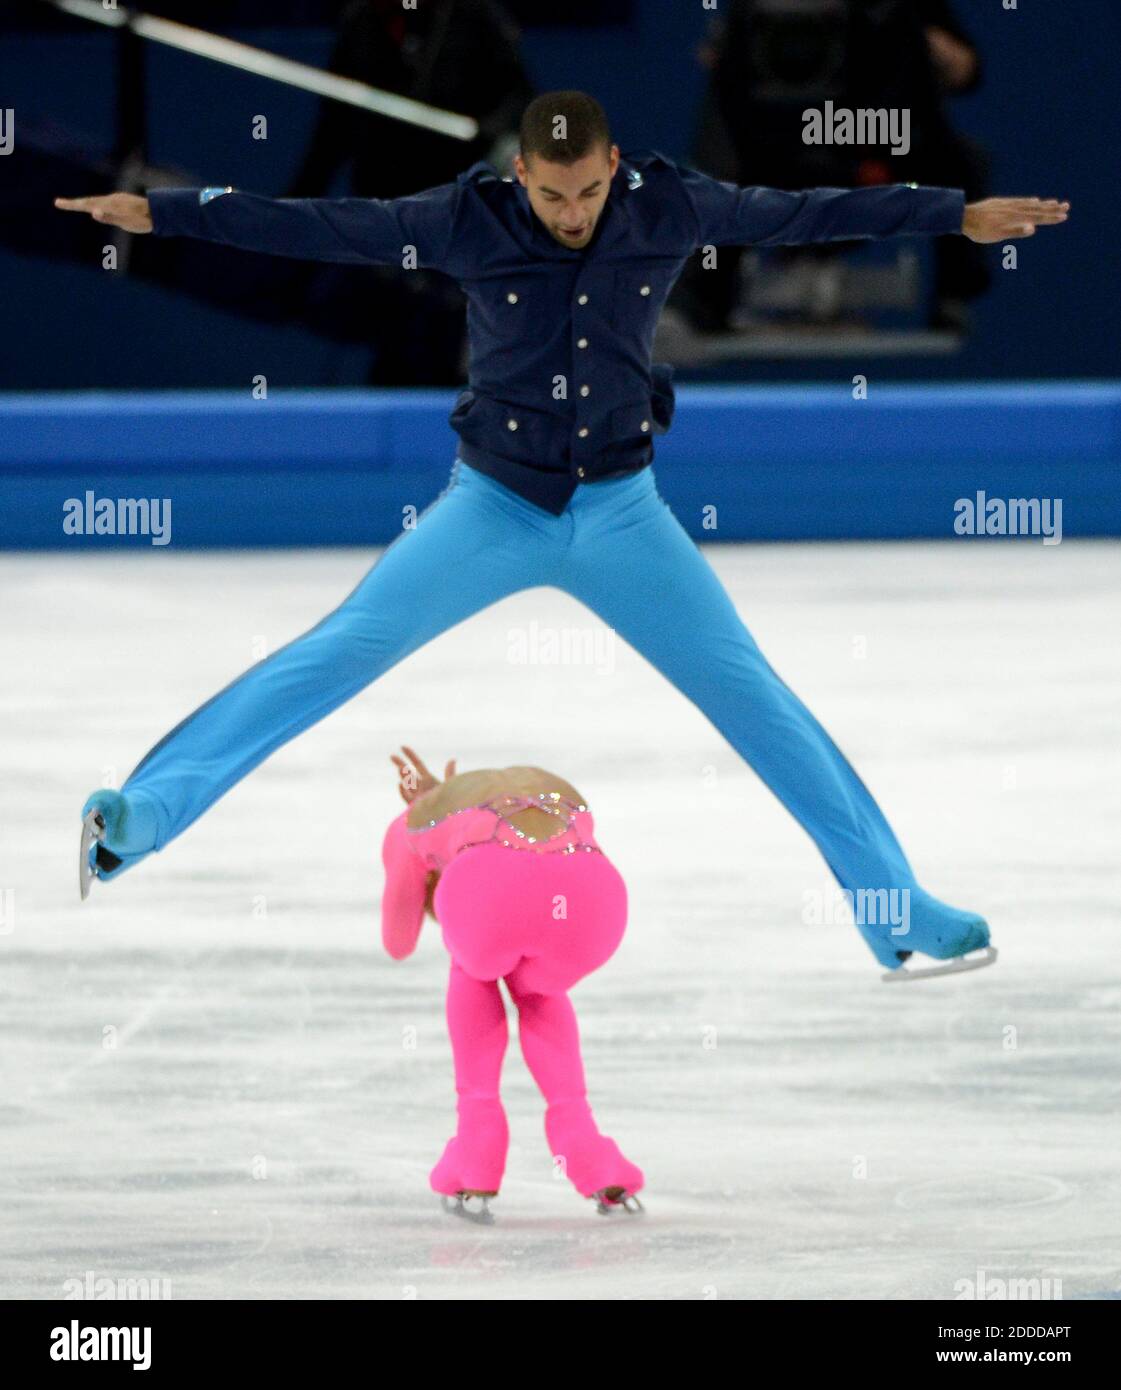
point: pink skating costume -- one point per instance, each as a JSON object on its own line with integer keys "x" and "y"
{"x": 540, "y": 913}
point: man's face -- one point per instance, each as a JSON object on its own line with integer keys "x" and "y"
{"x": 569, "y": 198}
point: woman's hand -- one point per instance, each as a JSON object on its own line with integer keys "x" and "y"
{"x": 416, "y": 780}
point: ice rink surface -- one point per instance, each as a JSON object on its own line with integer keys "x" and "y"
{"x": 211, "y": 1075}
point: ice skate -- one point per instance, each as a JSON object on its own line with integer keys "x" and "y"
{"x": 474, "y": 1159}
{"x": 118, "y": 830}
{"x": 593, "y": 1162}
{"x": 459, "y": 1204}
{"x": 958, "y": 940}
{"x": 612, "y": 1199}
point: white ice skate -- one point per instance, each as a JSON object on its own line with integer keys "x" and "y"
{"x": 975, "y": 960}
{"x": 459, "y": 1205}
{"x": 93, "y": 830}
{"x": 612, "y": 1199}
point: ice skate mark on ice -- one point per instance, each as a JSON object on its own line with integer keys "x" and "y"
{"x": 129, "y": 1030}
{"x": 1036, "y": 1189}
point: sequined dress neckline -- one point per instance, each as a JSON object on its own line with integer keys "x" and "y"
{"x": 567, "y": 840}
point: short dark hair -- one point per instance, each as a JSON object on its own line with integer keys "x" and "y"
{"x": 583, "y": 127}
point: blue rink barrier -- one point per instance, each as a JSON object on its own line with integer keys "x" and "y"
{"x": 741, "y": 463}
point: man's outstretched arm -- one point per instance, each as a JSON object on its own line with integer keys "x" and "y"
{"x": 728, "y": 215}
{"x": 416, "y": 230}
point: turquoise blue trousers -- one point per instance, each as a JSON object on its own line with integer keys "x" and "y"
{"x": 618, "y": 549}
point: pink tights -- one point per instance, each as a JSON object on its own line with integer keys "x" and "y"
{"x": 541, "y": 921}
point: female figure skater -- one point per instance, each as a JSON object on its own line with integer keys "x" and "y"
{"x": 506, "y": 861}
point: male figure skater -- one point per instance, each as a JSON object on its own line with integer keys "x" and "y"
{"x": 565, "y": 272}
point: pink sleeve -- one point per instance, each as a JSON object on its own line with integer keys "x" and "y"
{"x": 406, "y": 881}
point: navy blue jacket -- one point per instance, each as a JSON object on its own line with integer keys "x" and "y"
{"x": 562, "y": 388}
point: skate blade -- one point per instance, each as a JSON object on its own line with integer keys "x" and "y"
{"x": 480, "y": 1214}
{"x": 987, "y": 956}
{"x": 93, "y": 828}
{"x": 607, "y": 1206}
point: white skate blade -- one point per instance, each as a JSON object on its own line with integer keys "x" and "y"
{"x": 987, "y": 956}
{"x": 93, "y": 828}
{"x": 481, "y": 1215}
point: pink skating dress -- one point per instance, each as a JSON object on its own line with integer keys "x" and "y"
{"x": 410, "y": 854}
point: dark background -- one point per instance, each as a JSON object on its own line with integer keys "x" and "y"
{"x": 1047, "y": 110}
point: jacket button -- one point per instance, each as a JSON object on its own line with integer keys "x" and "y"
{"x": 645, "y": 289}
{"x": 511, "y": 424}
{"x": 579, "y": 472}
{"x": 644, "y": 426}
{"x": 582, "y": 342}
{"x": 585, "y": 390}
{"x": 582, "y": 299}
{"x": 583, "y": 433}
{"x": 511, "y": 298}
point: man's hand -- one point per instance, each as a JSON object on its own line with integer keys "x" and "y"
{"x": 1003, "y": 219}
{"x": 126, "y": 210}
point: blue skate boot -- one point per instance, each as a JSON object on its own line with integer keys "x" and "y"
{"x": 932, "y": 928}
{"x": 118, "y": 830}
